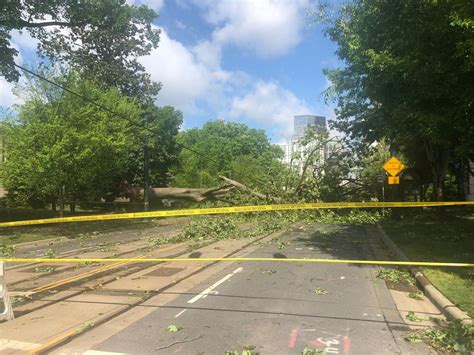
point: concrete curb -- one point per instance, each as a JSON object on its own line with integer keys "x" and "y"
{"x": 438, "y": 299}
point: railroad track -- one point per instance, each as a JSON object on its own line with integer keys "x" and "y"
{"x": 74, "y": 253}
{"x": 122, "y": 269}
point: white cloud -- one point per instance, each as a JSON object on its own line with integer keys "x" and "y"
{"x": 19, "y": 42}
{"x": 270, "y": 104}
{"x": 153, "y": 4}
{"x": 189, "y": 77}
{"x": 180, "y": 25}
{"x": 23, "y": 40}
{"x": 7, "y": 98}
{"x": 183, "y": 78}
{"x": 267, "y": 27}
{"x": 208, "y": 53}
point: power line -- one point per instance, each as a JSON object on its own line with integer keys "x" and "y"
{"x": 80, "y": 96}
{"x": 102, "y": 107}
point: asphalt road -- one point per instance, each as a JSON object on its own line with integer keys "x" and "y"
{"x": 280, "y": 307}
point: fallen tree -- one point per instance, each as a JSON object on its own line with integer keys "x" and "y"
{"x": 135, "y": 194}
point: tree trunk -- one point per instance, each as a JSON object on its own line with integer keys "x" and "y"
{"x": 53, "y": 205}
{"x": 242, "y": 187}
{"x": 305, "y": 168}
{"x": 61, "y": 201}
{"x": 72, "y": 207}
{"x": 189, "y": 194}
{"x": 438, "y": 156}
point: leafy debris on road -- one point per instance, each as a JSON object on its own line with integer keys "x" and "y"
{"x": 320, "y": 291}
{"x": 414, "y": 338}
{"x": 416, "y": 295}
{"x": 247, "y": 350}
{"x": 281, "y": 244}
{"x": 87, "y": 325}
{"x": 269, "y": 272}
{"x": 452, "y": 337}
{"x": 49, "y": 253}
{"x": 173, "y": 328}
{"x": 48, "y": 269}
{"x": 396, "y": 276}
{"x": 20, "y": 298}
{"x": 411, "y": 316}
{"x": 83, "y": 264}
{"x": 7, "y": 250}
{"x": 311, "y": 351}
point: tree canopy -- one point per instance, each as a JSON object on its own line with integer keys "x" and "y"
{"x": 58, "y": 140}
{"x": 102, "y": 39}
{"x": 160, "y": 137}
{"x": 224, "y": 148}
{"x": 408, "y": 76}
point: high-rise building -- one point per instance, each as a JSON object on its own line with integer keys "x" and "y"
{"x": 294, "y": 150}
{"x": 302, "y": 122}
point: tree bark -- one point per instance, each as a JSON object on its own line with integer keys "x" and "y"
{"x": 305, "y": 168}
{"x": 61, "y": 201}
{"x": 27, "y": 24}
{"x": 242, "y": 187}
{"x": 190, "y": 194}
{"x": 438, "y": 156}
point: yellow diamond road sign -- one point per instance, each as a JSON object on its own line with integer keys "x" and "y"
{"x": 393, "y": 166}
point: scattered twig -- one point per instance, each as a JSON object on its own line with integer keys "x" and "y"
{"x": 184, "y": 340}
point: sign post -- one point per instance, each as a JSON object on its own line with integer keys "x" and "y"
{"x": 393, "y": 167}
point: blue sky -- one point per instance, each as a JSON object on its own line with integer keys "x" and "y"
{"x": 258, "y": 62}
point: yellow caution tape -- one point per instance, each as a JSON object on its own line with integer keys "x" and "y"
{"x": 238, "y": 209}
{"x": 299, "y": 260}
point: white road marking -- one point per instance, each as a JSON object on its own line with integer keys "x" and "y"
{"x": 184, "y": 310}
{"x": 343, "y": 277}
{"x": 208, "y": 290}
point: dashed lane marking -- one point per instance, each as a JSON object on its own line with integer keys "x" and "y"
{"x": 180, "y": 313}
{"x": 209, "y": 290}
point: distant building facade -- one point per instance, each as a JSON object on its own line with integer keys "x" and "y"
{"x": 302, "y": 122}
{"x": 294, "y": 150}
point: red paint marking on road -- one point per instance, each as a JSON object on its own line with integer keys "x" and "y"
{"x": 318, "y": 344}
{"x": 293, "y": 336}
{"x": 347, "y": 345}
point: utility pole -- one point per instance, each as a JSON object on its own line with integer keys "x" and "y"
{"x": 396, "y": 213}
{"x": 62, "y": 193}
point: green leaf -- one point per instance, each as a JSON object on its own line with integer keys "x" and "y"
{"x": 173, "y": 328}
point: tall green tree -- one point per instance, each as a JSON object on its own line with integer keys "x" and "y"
{"x": 160, "y": 138}
{"x": 63, "y": 148}
{"x": 408, "y": 76}
{"x": 225, "y": 148}
{"x": 103, "y": 39}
